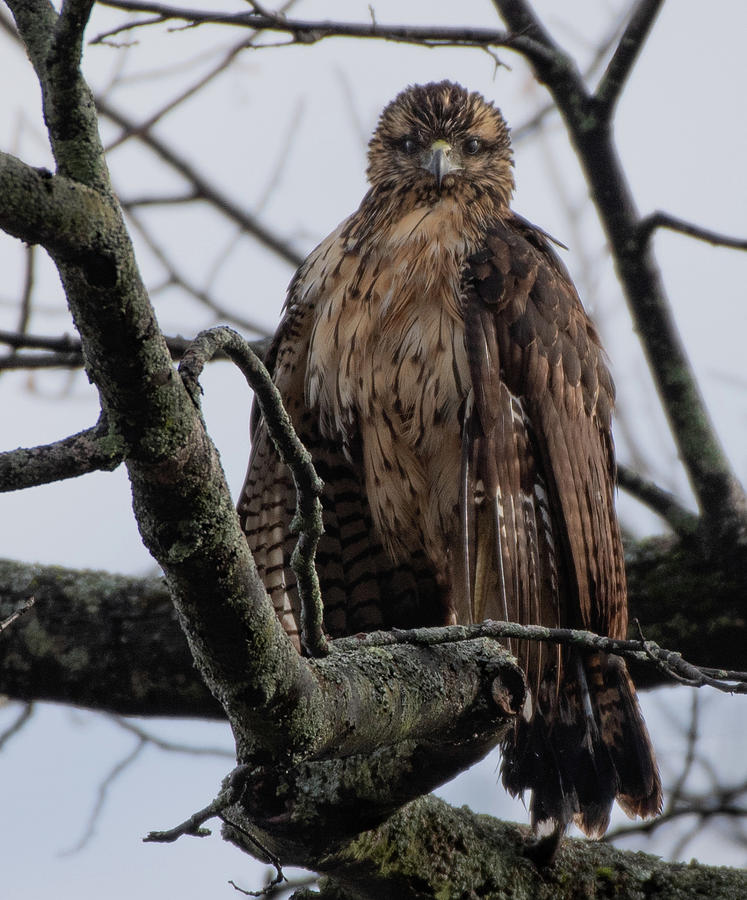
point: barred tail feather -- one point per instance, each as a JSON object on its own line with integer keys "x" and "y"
{"x": 581, "y": 748}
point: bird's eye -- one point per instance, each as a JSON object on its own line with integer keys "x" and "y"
{"x": 471, "y": 146}
{"x": 409, "y": 145}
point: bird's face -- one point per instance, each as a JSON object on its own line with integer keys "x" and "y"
{"x": 439, "y": 140}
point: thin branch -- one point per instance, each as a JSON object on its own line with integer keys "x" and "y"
{"x": 665, "y": 504}
{"x": 625, "y": 56}
{"x": 26, "y": 361}
{"x": 307, "y": 521}
{"x": 14, "y": 616}
{"x": 67, "y": 350}
{"x": 203, "y": 187}
{"x": 28, "y": 288}
{"x": 520, "y": 132}
{"x": 175, "y": 278}
{"x": 668, "y": 661}
{"x": 691, "y": 742}
{"x": 104, "y": 37}
{"x": 27, "y": 710}
{"x": 658, "y": 219}
{"x": 231, "y": 794}
{"x": 155, "y": 117}
{"x": 63, "y": 344}
{"x": 267, "y": 891}
{"x": 306, "y": 32}
{"x": 101, "y": 796}
{"x": 708, "y": 805}
{"x": 131, "y": 203}
{"x": 169, "y": 746}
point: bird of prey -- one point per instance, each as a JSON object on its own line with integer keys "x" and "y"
{"x": 435, "y": 359}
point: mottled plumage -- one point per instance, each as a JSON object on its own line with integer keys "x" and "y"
{"x": 437, "y": 362}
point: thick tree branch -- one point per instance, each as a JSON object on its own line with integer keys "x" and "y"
{"x": 64, "y": 216}
{"x": 54, "y": 44}
{"x": 671, "y": 592}
{"x": 429, "y": 849}
{"x": 99, "y": 640}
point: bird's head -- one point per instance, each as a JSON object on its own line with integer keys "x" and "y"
{"x": 439, "y": 140}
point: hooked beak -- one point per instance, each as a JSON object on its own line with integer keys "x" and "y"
{"x": 437, "y": 161}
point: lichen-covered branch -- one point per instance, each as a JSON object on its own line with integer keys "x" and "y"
{"x": 139, "y": 663}
{"x": 95, "y": 639}
{"x": 669, "y": 662}
{"x": 475, "y": 855}
{"x": 88, "y": 451}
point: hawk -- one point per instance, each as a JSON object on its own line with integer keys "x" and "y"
{"x": 435, "y": 359}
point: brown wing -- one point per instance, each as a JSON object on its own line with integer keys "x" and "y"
{"x": 542, "y": 543}
{"x": 542, "y": 404}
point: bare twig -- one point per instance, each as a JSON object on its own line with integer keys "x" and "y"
{"x": 267, "y": 891}
{"x": 307, "y": 521}
{"x": 28, "y": 288}
{"x": 101, "y": 796}
{"x": 203, "y": 187}
{"x": 178, "y": 280}
{"x": 701, "y": 814}
{"x": 525, "y": 129}
{"x": 231, "y": 793}
{"x": 16, "y": 614}
{"x": 153, "y": 119}
{"x": 131, "y": 203}
{"x": 200, "y": 186}
{"x": 169, "y": 746}
{"x": 691, "y": 742}
{"x": 310, "y": 32}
